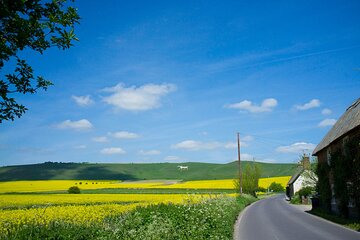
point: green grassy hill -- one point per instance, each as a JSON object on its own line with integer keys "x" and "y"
{"x": 197, "y": 171}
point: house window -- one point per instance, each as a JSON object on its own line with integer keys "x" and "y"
{"x": 328, "y": 155}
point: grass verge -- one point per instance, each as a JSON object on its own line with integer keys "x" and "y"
{"x": 349, "y": 223}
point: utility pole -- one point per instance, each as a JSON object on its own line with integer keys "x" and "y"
{"x": 240, "y": 174}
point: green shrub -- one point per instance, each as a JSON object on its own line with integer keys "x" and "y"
{"x": 276, "y": 187}
{"x": 296, "y": 199}
{"x": 261, "y": 189}
{"x": 305, "y": 191}
{"x": 250, "y": 179}
{"x": 74, "y": 190}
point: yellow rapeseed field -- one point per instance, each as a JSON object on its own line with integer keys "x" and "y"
{"x": 58, "y": 185}
{"x": 265, "y": 182}
{"x": 225, "y": 183}
{"x": 20, "y": 209}
{"x": 75, "y": 214}
{"x": 40, "y": 200}
{"x": 61, "y": 185}
{"x": 83, "y": 209}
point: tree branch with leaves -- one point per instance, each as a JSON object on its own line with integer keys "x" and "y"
{"x": 36, "y": 25}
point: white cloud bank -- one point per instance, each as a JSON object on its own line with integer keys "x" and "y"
{"x": 134, "y": 98}
{"x": 314, "y": 103}
{"x": 82, "y": 124}
{"x": 82, "y": 100}
{"x": 80, "y": 146}
{"x": 124, "y": 135}
{"x": 327, "y": 122}
{"x": 296, "y": 147}
{"x": 244, "y": 142}
{"x": 149, "y": 152}
{"x": 112, "y": 150}
{"x": 246, "y": 156}
{"x": 326, "y": 111}
{"x": 171, "y": 158}
{"x": 267, "y": 105}
{"x": 192, "y": 145}
{"x": 100, "y": 139}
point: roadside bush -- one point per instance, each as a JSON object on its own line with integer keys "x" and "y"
{"x": 276, "y": 187}
{"x": 305, "y": 191}
{"x": 261, "y": 189}
{"x": 74, "y": 190}
{"x": 250, "y": 179}
{"x": 296, "y": 199}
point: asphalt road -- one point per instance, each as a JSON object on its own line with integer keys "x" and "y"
{"x": 274, "y": 218}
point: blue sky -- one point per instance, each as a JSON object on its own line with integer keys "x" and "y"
{"x": 173, "y": 81}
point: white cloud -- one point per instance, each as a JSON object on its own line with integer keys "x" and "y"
{"x": 327, "y": 122}
{"x": 134, "y": 98}
{"x": 100, "y": 139}
{"x": 244, "y": 142}
{"x": 191, "y": 145}
{"x": 246, "y": 156}
{"x": 247, "y": 138}
{"x": 326, "y": 111}
{"x": 112, "y": 150}
{"x": 267, "y": 105}
{"x": 314, "y": 103}
{"x": 171, "y": 158}
{"x": 149, "y": 152}
{"x": 296, "y": 147}
{"x": 267, "y": 160}
{"x": 230, "y": 145}
{"x": 124, "y": 135}
{"x": 83, "y": 100}
{"x": 80, "y": 146}
{"x": 233, "y": 145}
{"x": 82, "y": 124}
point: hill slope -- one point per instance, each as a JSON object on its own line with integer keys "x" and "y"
{"x": 197, "y": 171}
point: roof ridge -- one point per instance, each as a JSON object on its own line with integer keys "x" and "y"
{"x": 354, "y": 104}
{"x": 348, "y": 121}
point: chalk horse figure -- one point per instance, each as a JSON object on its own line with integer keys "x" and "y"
{"x": 181, "y": 168}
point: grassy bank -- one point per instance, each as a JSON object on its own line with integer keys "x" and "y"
{"x": 208, "y": 219}
{"x": 138, "y": 171}
{"x": 349, "y": 223}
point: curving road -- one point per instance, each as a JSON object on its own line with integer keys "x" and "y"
{"x": 275, "y": 219}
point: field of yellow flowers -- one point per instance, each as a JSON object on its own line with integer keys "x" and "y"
{"x": 77, "y": 209}
{"x": 62, "y": 185}
{"x": 39, "y": 203}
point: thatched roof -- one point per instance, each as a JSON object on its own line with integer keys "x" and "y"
{"x": 347, "y": 122}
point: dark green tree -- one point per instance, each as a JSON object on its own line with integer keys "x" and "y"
{"x": 276, "y": 187}
{"x": 36, "y": 25}
{"x": 250, "y": 179}
{"x": 74, "y": 190}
